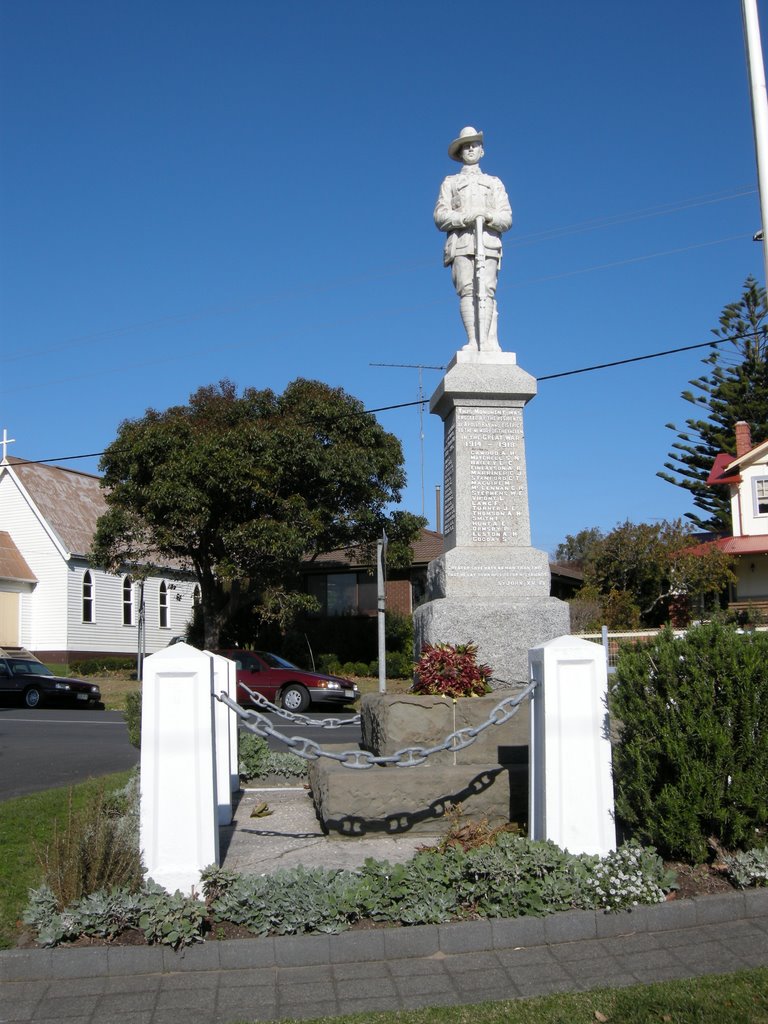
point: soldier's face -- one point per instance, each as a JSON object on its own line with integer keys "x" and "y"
{"x": 471, "y": 152}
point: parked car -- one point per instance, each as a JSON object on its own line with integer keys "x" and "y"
{"x": 285, "y": 684}
{"x": 25, "y": 676}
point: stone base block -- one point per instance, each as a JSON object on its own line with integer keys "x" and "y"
{"x": 395, "y": 801}
{"x": 391, "y": 722}
{"x": 504, "y": 630}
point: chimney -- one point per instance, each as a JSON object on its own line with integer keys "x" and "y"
{"x": 743, "y": 439}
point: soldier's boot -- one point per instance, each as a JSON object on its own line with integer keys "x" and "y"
{"x": 490, "y": 341}
{"x": 467, "y": 309}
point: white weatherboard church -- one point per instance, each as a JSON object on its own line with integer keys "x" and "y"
{"x": 53, "y": 601}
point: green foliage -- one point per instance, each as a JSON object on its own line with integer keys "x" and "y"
{"x": 132, "y": 716}
{"x": 508, "y": 876}
{"x": 451, "y": 670}
{"x": 27, "y": 824}
{"x": 241, "y": 488}
{"x": 748, "y": 867}
{"x": 97, "y": 666}
{"x": 256, "y": 760}
{"x": 693, "y": 755}
{"x": 576, "y": 548}
{"x": 97, "y": 846}
{"x": 733, "y": 387}
{"x": 639, "y": 569}
{"x": 165, "y": 918}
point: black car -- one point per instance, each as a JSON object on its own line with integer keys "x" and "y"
{"x": 30, "y": 679}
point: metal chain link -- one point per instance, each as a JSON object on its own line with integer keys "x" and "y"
{"x": 292, "y": 716}
{"x": 408, "y": 757}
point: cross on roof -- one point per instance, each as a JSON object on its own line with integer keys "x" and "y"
{"x": 5, "y": 442}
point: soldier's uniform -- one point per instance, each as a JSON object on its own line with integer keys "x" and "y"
{"x": 473, "y": 193}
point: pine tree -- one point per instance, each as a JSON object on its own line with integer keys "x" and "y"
{"x": 734, "y": 387}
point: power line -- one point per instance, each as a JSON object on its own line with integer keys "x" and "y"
{"x": 422, "y": 401}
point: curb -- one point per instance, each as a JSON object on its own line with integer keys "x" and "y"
{"x": 395, "y": 943}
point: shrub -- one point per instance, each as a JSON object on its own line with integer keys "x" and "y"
{"x": 94, "y": 666}
{"x": 399, "y": 666}
{"x": 692, "y": 759}
{"x": 255, "y": 760}
{"x": 451, "y": 670}
{"x": 95, "y": 849}
{"x": 132, "y": 716}
{"x": 328, "y": 663}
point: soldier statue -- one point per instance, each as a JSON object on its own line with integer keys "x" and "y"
{"x": 474, "y": 210}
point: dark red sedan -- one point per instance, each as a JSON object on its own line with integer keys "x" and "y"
{"x": 285, "y": 684}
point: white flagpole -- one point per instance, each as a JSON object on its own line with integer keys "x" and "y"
{"x": 759, "y": 112}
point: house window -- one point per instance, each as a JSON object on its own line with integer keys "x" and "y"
{"x": 761, "y": 496}
{"x": 163, "y": 605}
{"x": 127, "y": 601}
{"x": 343, "y": 593}
{"x": 88, "y": 597}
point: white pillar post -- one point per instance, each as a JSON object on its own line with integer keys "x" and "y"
{"x": 571, "y": 784}
{"x": 178, "y": 816}
{"x": 224, "y": 672}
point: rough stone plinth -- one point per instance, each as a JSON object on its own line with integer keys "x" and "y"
{"x": 391, "y": 722}
{"x": 393, "y": 801}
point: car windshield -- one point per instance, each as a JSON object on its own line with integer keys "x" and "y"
{"x": 276, "y": 662}
{"x": 21, "y": 667}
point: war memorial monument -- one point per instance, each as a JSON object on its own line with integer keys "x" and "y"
{"x": 490, "y": 586}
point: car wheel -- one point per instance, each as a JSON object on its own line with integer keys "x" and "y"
{"x": 295, "y": 698}
{"x": 32, "y": 697}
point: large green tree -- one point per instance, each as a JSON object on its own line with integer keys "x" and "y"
{"x": 733, "y": 387}
{"x": 238, "y": 488}
{"x": 654, "y": 571}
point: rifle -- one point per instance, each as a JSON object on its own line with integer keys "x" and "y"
{"x": 481, "y": 321}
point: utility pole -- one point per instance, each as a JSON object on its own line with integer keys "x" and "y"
{"x": 759, "y": 99}
{"x": 381, "y": 594}
{"x": 419, "y": 367}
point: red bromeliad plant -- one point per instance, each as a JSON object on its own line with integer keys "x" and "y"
{"x": 451, "y": 670}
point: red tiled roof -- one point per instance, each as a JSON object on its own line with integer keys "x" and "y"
{"x": 736, "y": 545}
{"x": 718, "y": 475}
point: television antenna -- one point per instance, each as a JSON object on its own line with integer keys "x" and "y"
{"x": 420, "y": 367}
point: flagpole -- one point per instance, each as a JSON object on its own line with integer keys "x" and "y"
{"x": 759, "y": 98}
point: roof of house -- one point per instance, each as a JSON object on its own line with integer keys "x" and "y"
{"x": 12, "y": 564}
{"x": 725, "y": 468}
{"x": 757, "y": 545}
{"x": 719, "y": 474}
{"x": 428, "y": 545}
{"x": 70, "y": 501}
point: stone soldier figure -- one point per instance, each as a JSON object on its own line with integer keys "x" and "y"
{"x": 474, "y": 210}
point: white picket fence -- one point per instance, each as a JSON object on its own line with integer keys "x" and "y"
{"x": 189, "y": 764}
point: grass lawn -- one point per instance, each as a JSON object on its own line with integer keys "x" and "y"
{"x": 740, "y": 998}
{"x": 27, "y": 823}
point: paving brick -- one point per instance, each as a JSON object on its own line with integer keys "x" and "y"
{"x": 672, "y": 914}
{"x": 424, "y": 983}
{"x": 302, "y": 950}
{"x": 20, "y": 964}
{"x": 624, "y": 922}
{"x": 756, "y": 902}
{"x": 203, "y": 956}
{"x": 570, "y": 926}
{"x": 134, "y": 960}
{"x": 353, "y": 946}
{"x": 420, "y": 940}
{"x": 517, "y": 931}
{"x": 465, "y": 936}
{"x": 720, "y": 907}
{"x": 79, "y": 963}
{"x": 477, "y": 982}
{"x": 370, "y": 1004}
{"x": 247, "y": 953}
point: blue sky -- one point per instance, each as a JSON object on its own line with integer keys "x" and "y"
{"x": 192, "y": 190}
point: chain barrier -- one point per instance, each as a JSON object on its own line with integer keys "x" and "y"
{"x": 408, "y": 757}
{"x": 292, "y": 716}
